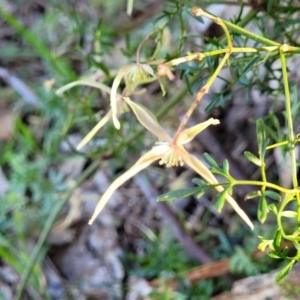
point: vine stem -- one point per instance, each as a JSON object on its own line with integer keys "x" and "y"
{"x": 48, "y": 225}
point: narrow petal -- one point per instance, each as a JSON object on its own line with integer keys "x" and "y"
{"x": 146, "y": 160}
{"x": 197, "y": 165}
{"x": 148, "y": 121}
{"x": 87, "y": 82}
{"x": 205, "y": 173}
{"x": 188, "y": 134}
{"x": 113, "y": 95}
{"x": 91, "y": 134}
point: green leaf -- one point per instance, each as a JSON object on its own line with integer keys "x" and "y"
{"x": 285, "y": 252}
{"x": 285, "y": 271}
{"x": 289, "y": 214}
{"x": 261, "y": 137}
{"x": 273, "y": 195}
{"x": 200, "y": 182}
{"x": 264, "y": 244}
{"x": 221, "y": 198}
{"x": 250, "y": 65}
{"x": 272, "y": 207}
{"x": 252, "y": 158}
{"x": 217, "y": 171}
{"x": 269, "y": 5}
{"x": 178, "y": 194}
{"x": 277, "y": 241}
{"x": 274, "y": 255}
{"x": 262, "y": 209}
{"x": 226, "y": 166}
{"x": 210, "y": 160}
{"x": 252, "y": 195}
{"x": 201, "y": 194}
{"x": 264, "y": 147}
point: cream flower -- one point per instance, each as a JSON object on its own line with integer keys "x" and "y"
{"x": 170, "y": 152}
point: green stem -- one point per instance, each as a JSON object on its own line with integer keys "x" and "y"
{"x": 289, "y": 119}
{"x": 257, "y": 183}
{"x": 266, "y": 184}
{"x": 48, "y": 225}
{"x": 250, "y": 35}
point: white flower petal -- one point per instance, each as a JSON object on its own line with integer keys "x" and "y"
{"x": 87, "y": 82}
{"x": 204, "y": 172}
{"x": 91, "y": 134}
{"x": 188, "y": 134}
{"x": 148, "y": 121}
{"x": 113, "y": 95}
{"x": 146, "y": 160}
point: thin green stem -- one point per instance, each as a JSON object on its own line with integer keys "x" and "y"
{"x": 182, "y": 32}
{"x": 242, "y": 49}
{"x": 48, "y": 225}
{"x": 249, "y": 34}
{"x": 266, "y": 184}
{"x": 298, "y": 211}
{"x": 158, "y": 45}
{"x": 256, "y": 183}
{"x": 277, "y": 145}
{"x": 263, "y": 174}
{"x": 289, "y": 118}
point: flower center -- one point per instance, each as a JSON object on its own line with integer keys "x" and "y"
{"x": 170, "y": 157}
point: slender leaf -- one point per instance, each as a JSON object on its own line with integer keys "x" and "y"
{"x": 262, "y": 209}
{"x": 226, "y": 166}
{"x": 252, "y": 158}
{"x": 272, "y": 207}
{"x": 178, "y": 194}
{"x": 261, "y": 136}
{"x": 222, "y": 198}
{"x": 274, "y": 255}
{"x": 210, "y": 160}
{"x": 277, "y": 241}
{"x": 289, "y": 214}
{"x": 199, "y": 182}
{"x": 273, "y": 195}
{"x": 252, "y": 195}
{"x": 285, "y": 271}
